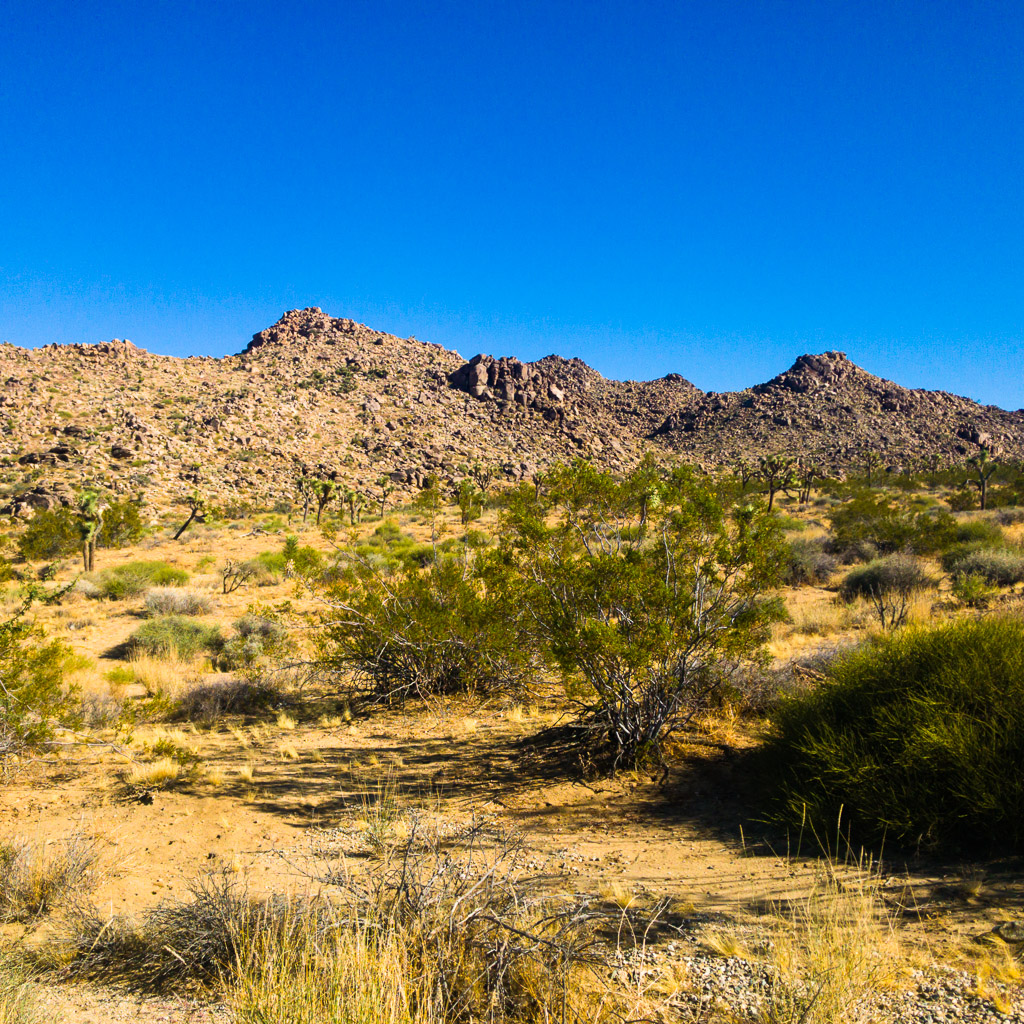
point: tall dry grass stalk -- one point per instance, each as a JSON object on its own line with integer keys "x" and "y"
{"x": 17, "y": 1001}
{"x": 166, "y": 677}
{"x": 831, "y": 951}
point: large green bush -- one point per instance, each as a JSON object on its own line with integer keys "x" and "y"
{"x": 916, "y": 738}
{"x": 412, "y": 631}
{"x": 50, "y": 534}
{"x": 646, "y": 591}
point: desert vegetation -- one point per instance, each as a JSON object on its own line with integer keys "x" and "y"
{"x": 396, "y": 714}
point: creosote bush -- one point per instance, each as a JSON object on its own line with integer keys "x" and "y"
{"x": 916, "y": 738}
{"x": 34, "y": 698}
{"x": 411, "y": 631}
{"x": 896, "y": 574}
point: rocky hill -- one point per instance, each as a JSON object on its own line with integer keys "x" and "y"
{"x": 313, "y": 389}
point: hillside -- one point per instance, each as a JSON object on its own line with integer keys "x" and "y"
{"x": 314, "y": 389}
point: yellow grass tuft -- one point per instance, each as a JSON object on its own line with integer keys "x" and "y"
{"x": 159, "y": 774}
{"x": 285, "y": 721}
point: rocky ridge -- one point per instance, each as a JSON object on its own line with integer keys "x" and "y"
{"x": 314, "y": 389}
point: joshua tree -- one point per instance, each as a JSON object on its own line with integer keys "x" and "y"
{"x": 354, "y": 500}
{"x": 746, "y": 472}
{"x": 983, "y": 467}
{"x": 482, "y": 474}
{"x": 385, "y": 488}
{"x": 89, "y": 520}
{"x": 806, "y": 473}
{"x": 469, "y": 500}
{"x": 324, "y": 489}
{"x": 777, "y": 473}
{"x": 304, "y": 485}
{"x": 197, "y": 508}
{"x": 538, "y": 480}
{"x": 871, "y": 462}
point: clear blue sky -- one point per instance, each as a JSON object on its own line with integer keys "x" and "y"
{"x": 709, "y": 187}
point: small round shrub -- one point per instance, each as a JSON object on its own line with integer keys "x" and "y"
{"x": 176, "y": 601}
{"x": 916, "y": 738}
{"x": 175, "y": 636}
{"x": 1002, "y": 567}
{"x": 894, "y": 574}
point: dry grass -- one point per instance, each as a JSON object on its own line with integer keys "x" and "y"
{"x": 17, "y": 1001}
{"x": 36, "y": 878}
{"x": 166, "y": 677}
{"x": 160, "y": 774}
{"x": 831, "y": 951}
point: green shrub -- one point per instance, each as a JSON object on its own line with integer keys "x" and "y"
{"x": 120, "y": 524}
{"x": 916, "y": 738}
{"x": 980, "y": 531}
{"x": 256, "y": 637}
{"x": 135, "y": 578}
{"x": 1003, "y": 567}
{"x": 33, "y": 697}
{"x": 890, "y": 525}
{"x": 175, "y": 636}
{"x": 50, "y": 534}
{"x": 416, "y": 632}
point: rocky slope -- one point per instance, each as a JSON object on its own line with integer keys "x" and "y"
{"x": 313, "y": 389}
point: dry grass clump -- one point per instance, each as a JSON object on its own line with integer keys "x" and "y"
{"x": 208, "y": 702}
{"x": 177, "y": 601}
{"x": 17, "y": 1002}
{"x": 830, "y": 953}
{"x": 440, "y": 932}
{"x": 164, "y": 677}
{"x": 37, "y": 878}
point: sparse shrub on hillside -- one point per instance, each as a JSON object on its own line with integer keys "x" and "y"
{"x": 176, "y": 601}
{"x": 809, "y": 563}
{"x": 1010, "y": 516}
{"x": 916, "y": 738}
{"x": 174, "y": 636}
{"x": 135, "y": 578}
{"x": 1002, "y": 567}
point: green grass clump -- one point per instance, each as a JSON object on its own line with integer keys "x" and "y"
{"x": 916, "y": 738}
{"x": 135, "y": 578}
{"x": 175, "y": 636}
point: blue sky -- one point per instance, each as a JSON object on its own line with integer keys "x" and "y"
{"x": 709, "y": 188}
